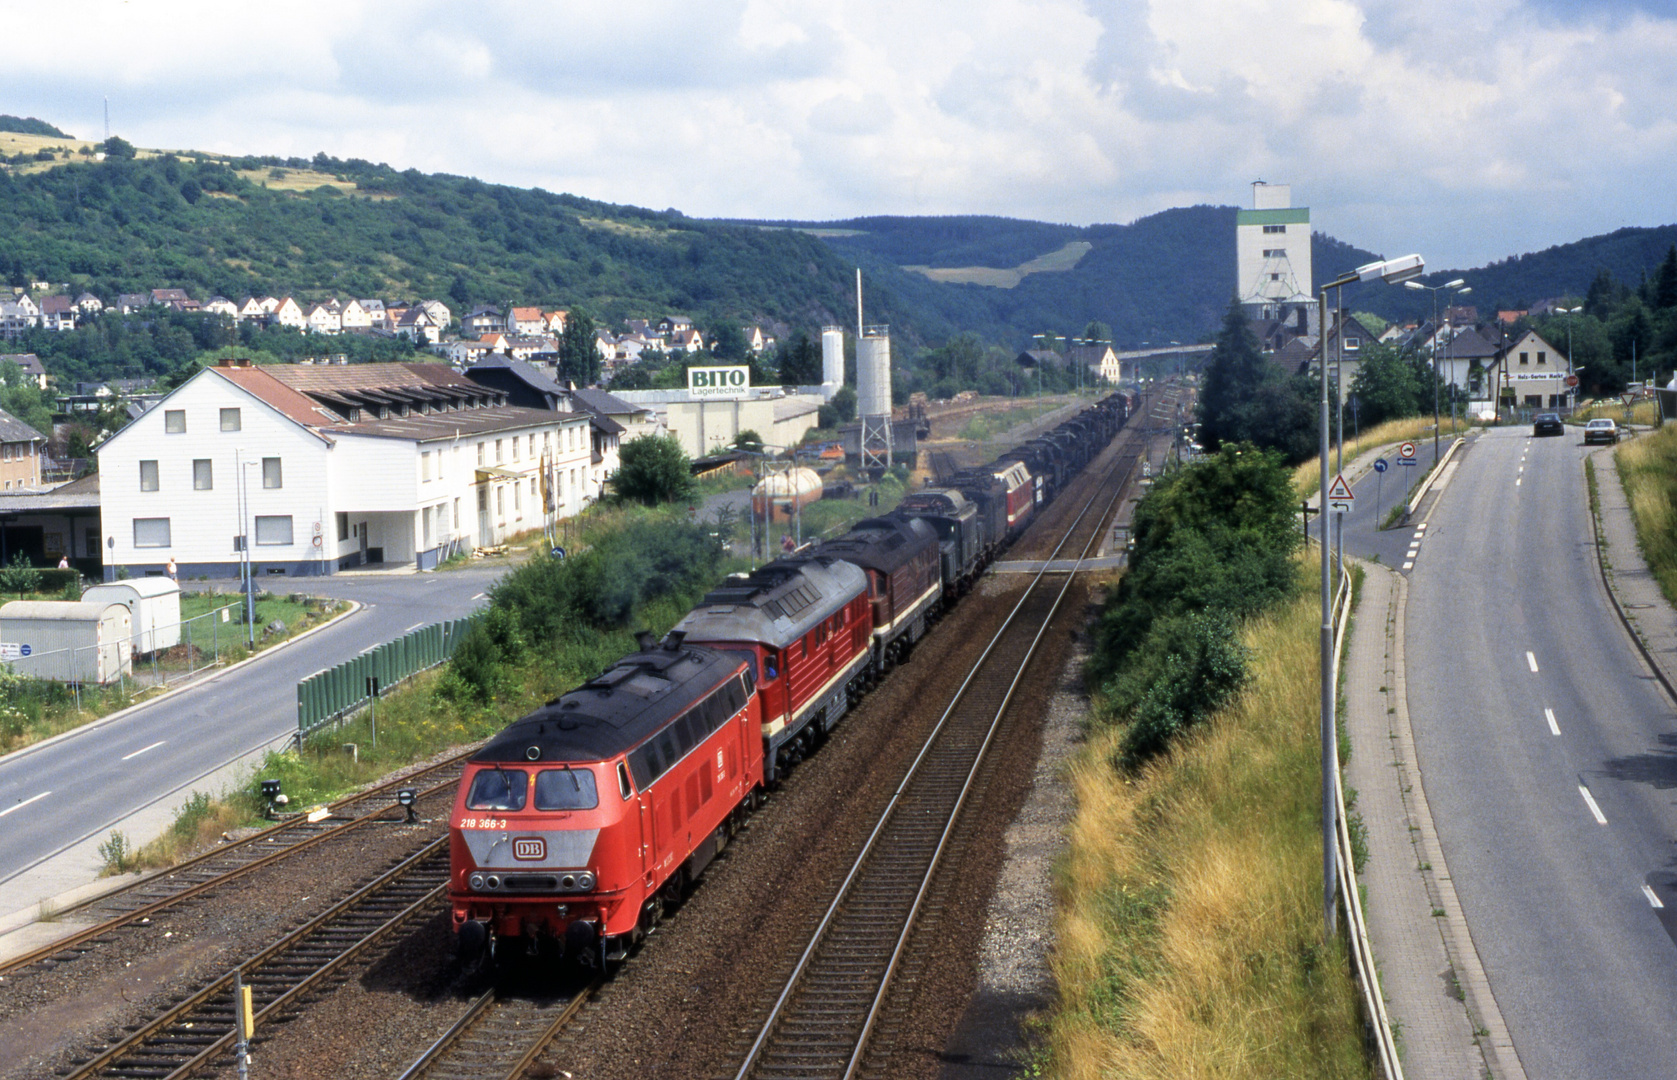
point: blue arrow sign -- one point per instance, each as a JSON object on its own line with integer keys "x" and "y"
{"x": 1380, "y": 465}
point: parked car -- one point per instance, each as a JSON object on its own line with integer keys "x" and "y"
{"x": 1601, "y": 430}
{"x": 1547, "y": 423}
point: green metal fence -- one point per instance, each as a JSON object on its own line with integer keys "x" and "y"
{"x": 333, "y": 693}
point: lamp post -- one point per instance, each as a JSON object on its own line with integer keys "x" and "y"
{"x": 1459, "y": 286}
{"x": 1571, "y": 368}
{"x": 1393, "y": 271}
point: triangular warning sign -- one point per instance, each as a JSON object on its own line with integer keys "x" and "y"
{"x": 1339, "y": 490}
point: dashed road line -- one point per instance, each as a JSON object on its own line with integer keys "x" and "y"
{"x": 1653, "y": 901}
{"x": 1531, "y": 661}
{"x": 24, "y": 803}
{"x": 1549, "y": 714}
{"x": 1600, "y": 818}
{"x": 143, "y": 749}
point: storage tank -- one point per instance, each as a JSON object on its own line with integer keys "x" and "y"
{"x": 154, "y": 603}
{"x": 67, "y": 640}
{"x": 873, "y": 372}
{"x": 779, "y": 495}
{"x": 832, "y": 360}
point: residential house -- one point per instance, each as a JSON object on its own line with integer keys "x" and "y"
{"x": 168, "y": 297}
{"x": 527, "y": 386}
{"x": 523, "y": 347}
{"x": 128, "y": 303}
{"x": 756, "y": 339}
{"x": 58, "y": 312}
{"x": 416, "y": 323}
{"x": 89, "y": 304}
{"x": 375, "y": 313}
{"x": 288, "y": 312}
{"x": 1099, "y": 359}
{"x": 635, "y": 420}
{"x": 220, "y": 305}
{"x": 689, "y": 339}
{"x": 249, "y": 308}
{"x": 494, "y": 343}
{"x": 354, "y": 318}
{"x": 1533, "y": 372}
{"x": 630, "y": 346}
{"x": 269, "y": 304}
{"x": 555, "y": 321}
{"x": 18, "y": 317}
{"x": 605, "y": 343}
{"x": 322, "y": 319}
{"x": 31, "y": 365}
{"x": 670, "y": 325}
{"x": 1467, "y": 360}
{"x": 464, "y": 352}
{"x": 481, "y": 320}
{"x": 400, "y": 464}
{"x": 20, "y": 453}
{"x": 642, "y": 327}
{"x": 525, "y": 321}
{"x": 1344, "y": 351}
{"x": 441, "y": 317}
{"x": 1038, "y": 358}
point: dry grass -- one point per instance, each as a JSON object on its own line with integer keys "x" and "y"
{"x": 1648, "y": 469}
{"x": 1189, "y": 935}
{"x": 1057, "y": 261}
{"x": 1645, "y": 413}
{"x": 299, "y": 180}
{"x": 1306, "y": 479}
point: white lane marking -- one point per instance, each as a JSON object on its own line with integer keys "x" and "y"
{"x": 1516, "y": 483}
{"x": 1549, "y": 714}
{"x": 1422, "y": 526}
{"x": 414, "y": 627}
{"x": 1600, "y": 818}
{"x": 479, "y": 596}
{"x": 143, "y": 749}
{"x": 1653, "y": 901}
{"x": 1531, "y": 660}
{"x": 1409, "y": 566}
{"x": 1522, "y": 468}
{"x": 24, "y": 803}
{"x": 1418, "y": 536}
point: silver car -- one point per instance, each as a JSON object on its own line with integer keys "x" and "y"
{"x": 1602, "y": 431}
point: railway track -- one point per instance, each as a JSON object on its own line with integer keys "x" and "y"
{"x": 498, "y": 1037}
{"x": 197, "y": 1031}
{"x": 213, "y": 869}
{"x": 823, "y": 1021}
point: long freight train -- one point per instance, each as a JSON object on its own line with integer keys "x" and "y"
{"x": 578, "y": 824}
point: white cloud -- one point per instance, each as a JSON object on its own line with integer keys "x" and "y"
{"x": 1466, "y": 130}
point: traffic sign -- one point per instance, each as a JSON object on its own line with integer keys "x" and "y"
{"x": 1340, "y": 496}
{"x": 1572, "y": 380}
{"x": 1380, "y": 465}
{"x": 1406, "y": 453}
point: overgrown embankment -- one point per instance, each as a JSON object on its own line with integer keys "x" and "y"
{"x": 1648, "y": 469}
{"x": 1189, "y": 934}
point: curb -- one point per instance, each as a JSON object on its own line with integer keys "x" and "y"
{"x": 356, "y": 606}
{"x": 1607, "y": 582}
{"x": 1432, "y": 476}
{"x": 1502, "y": 1061}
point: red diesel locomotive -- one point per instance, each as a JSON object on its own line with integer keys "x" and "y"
{"x": 574, "y": 826}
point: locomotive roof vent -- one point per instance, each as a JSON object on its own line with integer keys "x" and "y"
{"x": 645, "y": 639}
{"x": 673, "y": 640}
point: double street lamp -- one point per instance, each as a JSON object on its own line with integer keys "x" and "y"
{"x": 1460, "y": 288}
{"x": 1392, "y": 271}
{"x": 1571, "y": 368}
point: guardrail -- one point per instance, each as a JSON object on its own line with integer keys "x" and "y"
{"x": 332, "y": 694}
{"x": 1362, "y": 951}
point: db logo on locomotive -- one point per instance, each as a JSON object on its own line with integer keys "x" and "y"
{"x": 529, "y": 849}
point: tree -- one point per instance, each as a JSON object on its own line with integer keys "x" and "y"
{"x": 800, "y": 361}
{"x": 655, "y": 469}
{"x": 844, "y": 403}
{"x": 579, "y": 350}
{"x": 727, "y": 341}
{"x": 1665, "y": 281}
{"x": 117, "y": 148}
{"x": 1385, "y": 386}
{"x": 1097, "y": 331}
{"x": 748, "y": 440}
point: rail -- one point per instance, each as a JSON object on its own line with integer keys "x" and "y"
{"x": 828, "y": 1010}
{"x": 491, "y": 1039}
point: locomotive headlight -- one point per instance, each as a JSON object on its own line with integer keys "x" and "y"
{"x": 585, "y": 881}
{"x": 476, "y": 882}
{"x": 493, "y": 881}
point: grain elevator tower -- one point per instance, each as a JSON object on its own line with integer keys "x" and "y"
{"x": 873, "y": 388}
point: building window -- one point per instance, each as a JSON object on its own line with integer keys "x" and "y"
{"x": 203, "y": 479}
{"x": 1525, "y": 358}
{"x": 151, "y": 532}
{"x": 500, "y": 454}
{"x": 456, "y": 515}
{"x": 148, "y": 476}
{"x": 1275, "y": 253}
{"x": 1542, "y": 357}
{"x": 1275, "y": 277}
{"x": 480, "y": 461}
{"x": 501, "y": 503}
{"x": 1271, "y": 229}
{"x": 230, "y": 420}
{"x": 174, "y": 421}
{"x": 271, "y": 477}
{"x": 425, "y": 467}
{"x": 273, "y": 530}
{"x": 518, "y": 500}
{"x": 343, "y": 527}
{"x": 1353, "y": 344}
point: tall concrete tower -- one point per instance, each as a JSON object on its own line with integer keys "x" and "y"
{"x": 832, "y": 361}
{"x": 1272, "y": 253}
{"x": 873, "y": 388}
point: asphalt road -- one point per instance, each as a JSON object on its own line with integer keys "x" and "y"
{"x": 1548, "y": 759}
{"x": 54, "y": 795}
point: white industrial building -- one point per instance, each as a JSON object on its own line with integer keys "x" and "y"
{"x": 326, "y": 467}
{"x": 706, "y": 425}
{"x": 1272, "y": 253}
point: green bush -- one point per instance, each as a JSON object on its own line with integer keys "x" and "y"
{"x": 20, "y": 575}
{"x": 1189, "y": 666}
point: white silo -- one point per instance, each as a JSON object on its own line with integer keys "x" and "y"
{"x": 873, "y": 395}
{"x": 832, "y": 361}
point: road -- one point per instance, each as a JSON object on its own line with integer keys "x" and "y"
{"x": 55, "y": 795}
{"x": 1547, "y": 753}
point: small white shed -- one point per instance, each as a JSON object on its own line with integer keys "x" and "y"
{"x": 155, "y": 605}
{"x": 67, "y": 640}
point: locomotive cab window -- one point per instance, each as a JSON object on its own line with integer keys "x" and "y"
{"x": 566, "y": 789}
{"x": 625, "y": 788}
{"x": 498, "y": 789}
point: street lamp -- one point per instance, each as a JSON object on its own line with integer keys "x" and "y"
{"x": 1459, "y": 286}
{"x": 1571, "y": 391}
{"x": 1392, "y": 271}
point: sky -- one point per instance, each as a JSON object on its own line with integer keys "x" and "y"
{"x": 1467, "y": 130}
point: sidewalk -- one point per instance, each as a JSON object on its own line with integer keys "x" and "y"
{"x": 1435, "y": 990}
{"x": 1632, "y": 587}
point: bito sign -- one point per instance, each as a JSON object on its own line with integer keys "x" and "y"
{"x": 719, "y": 382}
